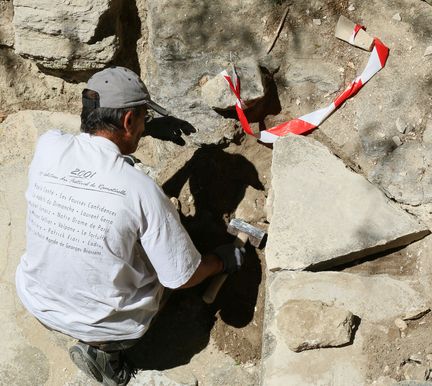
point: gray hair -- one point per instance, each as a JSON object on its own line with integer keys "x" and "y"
{"x": 104, "y": 119}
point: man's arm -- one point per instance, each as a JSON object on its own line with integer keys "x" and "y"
{"x": 227, "y": 258}
{"x": 210, "y": 265}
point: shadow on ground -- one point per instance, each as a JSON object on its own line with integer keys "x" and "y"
{"x": 217, "y": 182}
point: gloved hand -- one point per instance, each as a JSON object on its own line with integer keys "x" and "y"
{"x": 231, "y": 256}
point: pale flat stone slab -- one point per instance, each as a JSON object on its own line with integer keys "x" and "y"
{"x": 323, "y": 214}
{"x": 382, "y": 300}
{"x": 311, "y": 324}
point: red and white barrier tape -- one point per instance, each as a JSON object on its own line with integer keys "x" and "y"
{"x": 308, "y": 122}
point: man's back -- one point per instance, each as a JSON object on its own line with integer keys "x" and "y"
{"x": 84, "y": 272}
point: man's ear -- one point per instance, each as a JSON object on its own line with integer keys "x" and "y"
{"x": 127, "y": 120}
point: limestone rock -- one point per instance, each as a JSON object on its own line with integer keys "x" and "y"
{"x": 201, "y": 40}
{"x": 305, "y": 77}
{"x": 381, "y": 301}
{"x": 397, "y": 17}
{"x": 324, "y": 214}
{"x": 386, "y": 298}
{"x": 308, "y": 324}
{"x": 415, "y": 371}
{"x": 79, "y": 35}
{"x": 400, "y": 324}
{"x": 401, "y": 125}
{"x": 217, "y": 94}
{"x": 404, "y": 175}
{"x": 27, "y": 126}
{"x": 397, "y": 141}
{"x": 6, "y": 28}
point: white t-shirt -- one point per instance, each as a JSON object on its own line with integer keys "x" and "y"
{"x": 102, "y": 239}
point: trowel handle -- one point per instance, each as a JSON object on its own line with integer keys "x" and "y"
{"x": 216, "y": 283}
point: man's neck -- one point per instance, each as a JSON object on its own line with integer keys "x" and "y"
{"x": 115, "y": 138}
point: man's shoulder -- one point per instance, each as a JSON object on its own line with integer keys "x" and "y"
{"x": 54, "y": 135}
{"x": 146, "y": 189}
{"x": 137, "y": 177}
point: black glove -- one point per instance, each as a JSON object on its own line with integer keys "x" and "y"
{"x": 231, "y": 256}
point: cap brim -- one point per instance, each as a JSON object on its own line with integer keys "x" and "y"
{"x": 159, "y": 109}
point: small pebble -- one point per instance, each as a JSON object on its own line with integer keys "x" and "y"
{"x": 397, "y": 141}
{"x": 317, "y": 21}
{"x": 397, "y": 17}
{"x": 401, "y": 125}
{"x": 400, "y": 324}
{"x": 428, "y": 51}
{"x": 351, "y": 8}
{"x": 416, "y": 358}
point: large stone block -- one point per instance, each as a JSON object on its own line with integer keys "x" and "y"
{"x": 74, "y": 35}
{"x": 324, "y": 214}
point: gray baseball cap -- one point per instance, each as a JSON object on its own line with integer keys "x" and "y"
{"x": 119, "y": 87}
